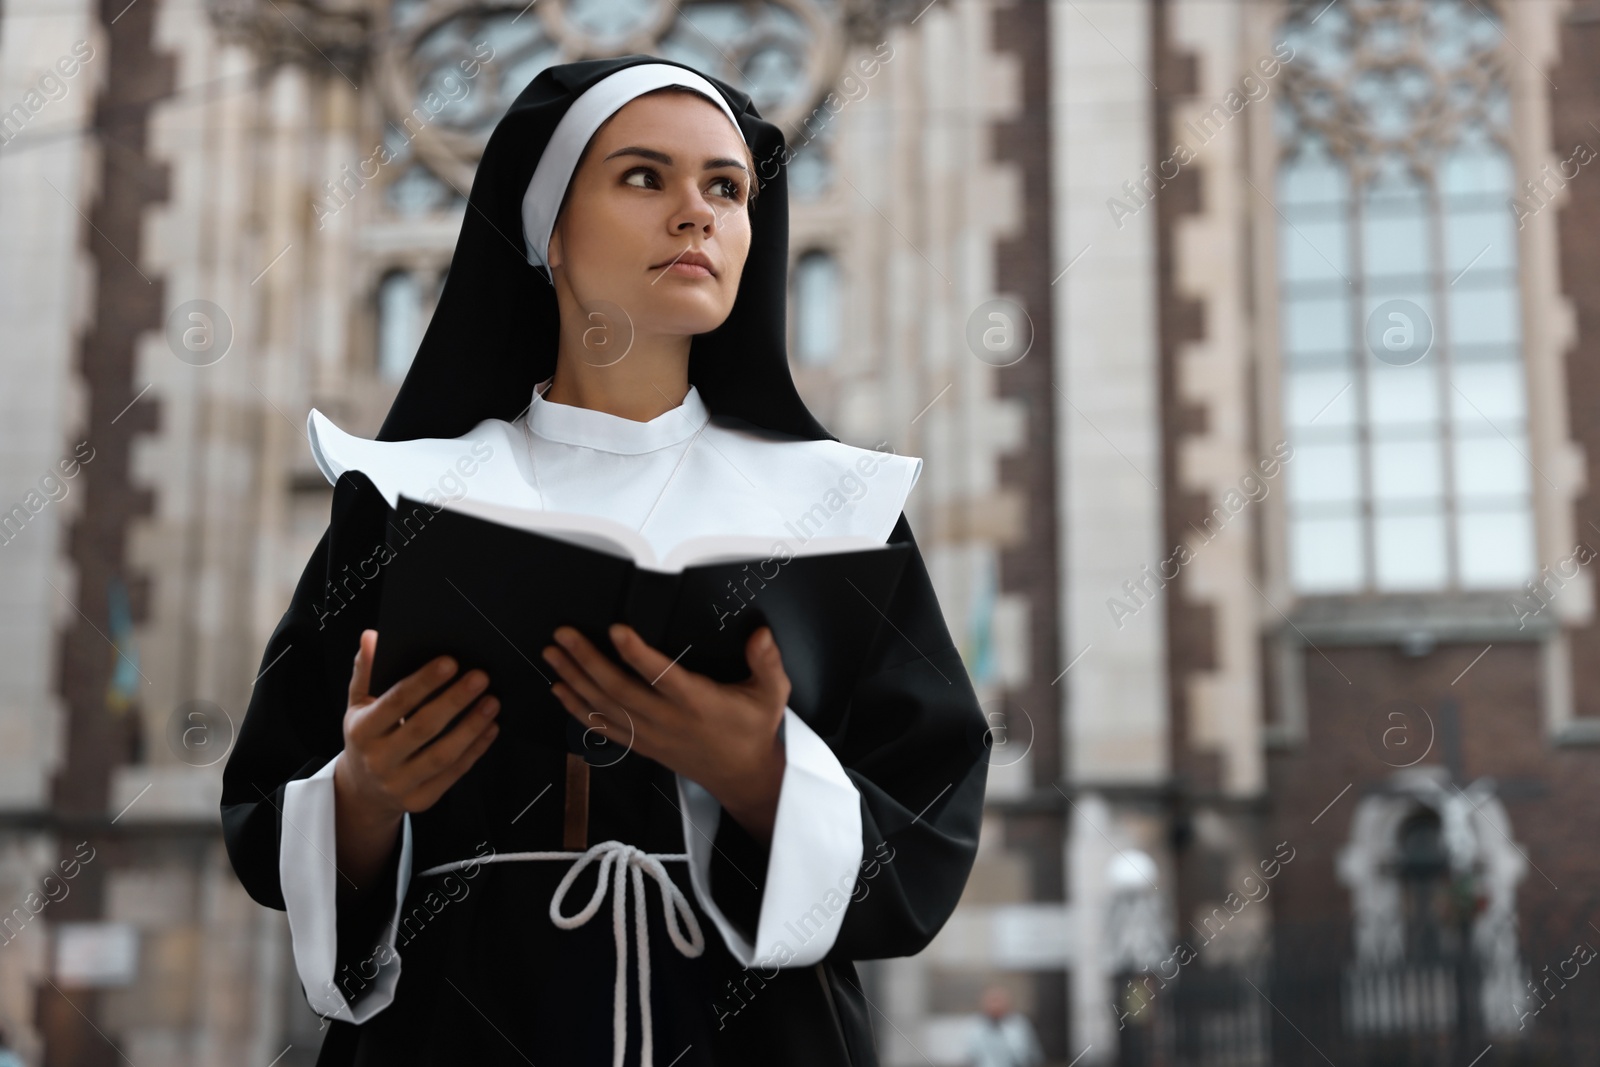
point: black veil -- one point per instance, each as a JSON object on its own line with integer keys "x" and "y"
{"x": 495, "y": 331}
{"x": 911, "y": 736}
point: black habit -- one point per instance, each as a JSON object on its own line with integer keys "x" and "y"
{"x": 486, "y": 977}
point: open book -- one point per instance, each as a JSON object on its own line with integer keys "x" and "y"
{"x": 615, "y": 539}
{"x": 489, "y": 584}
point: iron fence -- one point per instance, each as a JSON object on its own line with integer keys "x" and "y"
{"x": 1308, "y": 1003}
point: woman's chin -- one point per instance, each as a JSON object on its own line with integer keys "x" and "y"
{"x": 690, "y": 313}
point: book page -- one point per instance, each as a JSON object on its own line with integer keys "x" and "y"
{"x": 615, "y": 539}
{"x": 737, "y": 548}
{"x": 586, "y": 531}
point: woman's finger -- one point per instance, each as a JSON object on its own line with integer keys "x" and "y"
{"x": 400, "y": 699}
{"x": 423, "y": 764}
{"x": 427, "y": 794}
{"x": 578, "y": 692}
{"x": 361, "y": 674}
{"x": 768, "y": 680}
{"x": 595, "y": 678}
{"x": 424, "y": 723}
{"x": 677, "y": 683}
{"x": 614, "y": 723}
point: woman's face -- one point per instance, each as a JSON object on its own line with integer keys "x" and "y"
{"x": 665, "y": 179}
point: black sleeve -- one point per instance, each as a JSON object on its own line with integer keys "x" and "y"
{"x": 912, "y": 739}
{"x": 294, "y": 723}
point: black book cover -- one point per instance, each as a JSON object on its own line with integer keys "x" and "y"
{"x": 492, "y": 595}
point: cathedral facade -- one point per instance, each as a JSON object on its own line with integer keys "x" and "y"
{"x": 1246, "y": 343}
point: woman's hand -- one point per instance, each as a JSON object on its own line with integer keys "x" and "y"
{"x": 384, "y": 771}
{"x": 723, "y": 736}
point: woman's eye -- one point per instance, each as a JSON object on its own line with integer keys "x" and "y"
{"x": 640, "y": 172}
{"x": 647, "y": 178}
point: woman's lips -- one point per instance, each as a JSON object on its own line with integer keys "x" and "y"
{"x": 689, "y": 263}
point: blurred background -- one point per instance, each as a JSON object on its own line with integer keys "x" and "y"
{"x": 1250, "y": 346}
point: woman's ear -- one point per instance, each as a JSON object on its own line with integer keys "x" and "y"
{"x": 552, "y": 253}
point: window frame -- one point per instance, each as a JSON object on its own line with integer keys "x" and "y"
{"x": 1450, "y": 430}
{"x": 1292, "y": 623}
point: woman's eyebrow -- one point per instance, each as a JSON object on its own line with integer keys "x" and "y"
{"x": 662, "y": 157}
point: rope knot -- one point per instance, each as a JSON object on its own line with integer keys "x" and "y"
{"x": 617, "y": 859}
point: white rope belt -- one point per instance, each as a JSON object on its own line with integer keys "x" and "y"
{"x": 625, "y": 858}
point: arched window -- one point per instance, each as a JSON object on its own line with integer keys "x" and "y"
{"x": 816, "y": 308}
{"x": 417, "y": 191}
{"x": 1432, "y": 869}
{"x": 1400, "y": 319}
{"x": 399, "y": 323}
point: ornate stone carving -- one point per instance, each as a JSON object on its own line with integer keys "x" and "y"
{"x": 783, "y": 52}
{"x": 786, "y": 53}
{"x": 301, "y": 31}
{"x": 1384, "y": 78}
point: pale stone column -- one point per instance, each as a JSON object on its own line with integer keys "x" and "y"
{"x": 1114, "y": 690}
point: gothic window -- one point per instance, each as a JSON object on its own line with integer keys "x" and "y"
{"x": 1400, "y": 318}
{"x": 399, "y": 323}
{"x": 810, "y": 173}
{"x": 816, "y": 308}
{"x": 417, "y": 192}
{"x": 812, "y": 147}
{"x": 450, "y": 68}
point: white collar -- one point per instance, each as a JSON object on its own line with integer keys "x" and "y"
{"x": 575, "y": 425}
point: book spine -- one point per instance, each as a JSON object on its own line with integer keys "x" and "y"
{"x": 647, "y": 604}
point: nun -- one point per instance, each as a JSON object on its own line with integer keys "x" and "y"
{"x": 610, "y": 341}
